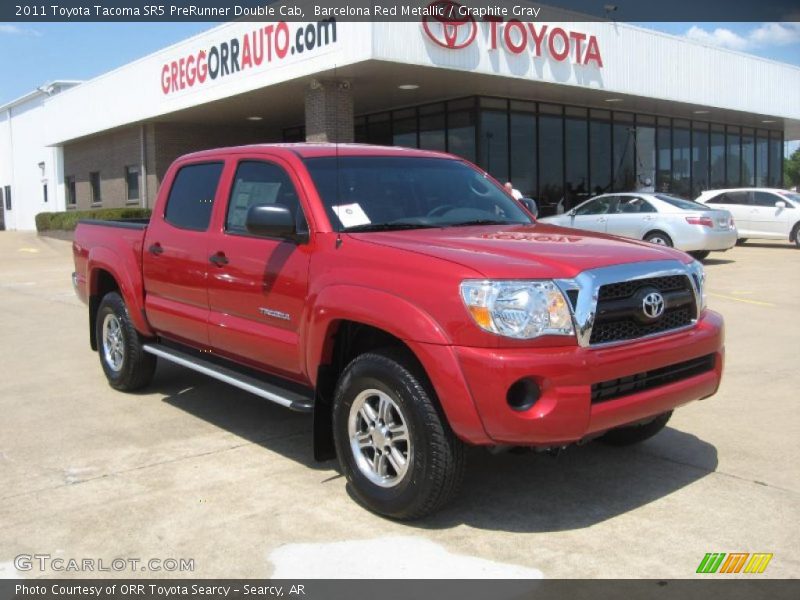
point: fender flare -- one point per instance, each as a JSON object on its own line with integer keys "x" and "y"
{"x": 101, "y": 258}
{"x": 376, "y": 308}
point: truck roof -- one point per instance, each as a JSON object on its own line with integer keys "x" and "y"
{"x": 314, "y": 150}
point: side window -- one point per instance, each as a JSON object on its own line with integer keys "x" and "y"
{"x": 738, "y": 197}
{"x": 598, "y": 206}
{"x": 192, "y": 196}
{"x": 765, "y": 199}
{"x": 634, "y": 205}
{"x": 261, "y": 183}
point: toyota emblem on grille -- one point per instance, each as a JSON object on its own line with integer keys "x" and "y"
{"x": 653, "y": 305}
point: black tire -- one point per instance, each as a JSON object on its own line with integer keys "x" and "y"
{"x": 741, "y": 241}
{"x": 700, "y": 254}
{"x": 796, "y": 235}
{"x": 435, "y": 456}
{"x": 136, "y": 367}
{"x": 633, "y": 434}
{"x": 660, "y": 238}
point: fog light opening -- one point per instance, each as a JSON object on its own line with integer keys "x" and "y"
{"x": 523, "y": 394}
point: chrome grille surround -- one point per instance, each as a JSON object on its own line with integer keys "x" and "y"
{"x": 588, "y": 284}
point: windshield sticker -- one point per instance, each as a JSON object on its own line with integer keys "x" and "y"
{"x": 351, "y": 215}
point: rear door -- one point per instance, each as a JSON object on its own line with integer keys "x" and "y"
{"x": 738, "y": 204}
{"x": 633, "y": 217}
{"x": 767, "y": 219}
{"x": 175, "y": 257}
{"x": 593, "y": 215}
{"x": 257, "y": 286}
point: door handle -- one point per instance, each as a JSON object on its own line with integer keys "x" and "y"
{"x": 219, "y": 259}
{"x": 156, "y": 249}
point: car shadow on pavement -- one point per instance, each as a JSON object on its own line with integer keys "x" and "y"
{"x": 582, "y": 486}
{"x": 527, "y": 492}
{"x": 247, "y": 416}
{"x": 710, "y": 262}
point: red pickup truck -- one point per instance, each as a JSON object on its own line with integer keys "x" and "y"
{"x": 403, "y": 298}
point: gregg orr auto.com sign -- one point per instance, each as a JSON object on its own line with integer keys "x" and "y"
{"x": 453, "y": 27}
{"x": 254, "y": 49}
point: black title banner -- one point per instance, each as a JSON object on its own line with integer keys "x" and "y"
{"x": 397, "y": 10}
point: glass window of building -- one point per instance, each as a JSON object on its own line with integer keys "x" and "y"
{"x": 600, "y": 156}
{"x": 681, "y": 159}
{"x": 551, "y": 164}
{"x": 404, "y": 128}
{"x": 699, "y": 158}
{"x": 762, "y": 158}
{"x": 132, "y": 183}
{"x": 663, "y": 157}
{"x": 624, "y": 170}
{"x": 69, "y": 186}
{"x": 494, "y": 144}
{"x": 461, "y": 134}
{"x": 733, "y": 157}
{"x": 645, "y": 153}
{"x": 431, "y": 132}
{"x": 379, "y": 129}
{"x": 576, "y": 167}
{"x": 717, "y": 157}
{"x": 748, "y": 157}
{"x": 94, "y": 187}
{"x": 775, "y": 159}
{"x": 523, "y": 153}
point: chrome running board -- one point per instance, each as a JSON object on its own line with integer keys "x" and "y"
{"x": 269, "y": 391}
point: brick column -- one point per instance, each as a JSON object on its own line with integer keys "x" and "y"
{"x": 329, "y": 111}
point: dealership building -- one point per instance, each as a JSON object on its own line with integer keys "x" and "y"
{"x": 562, "y": 110}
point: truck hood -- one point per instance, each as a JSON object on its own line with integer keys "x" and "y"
{"x": 523, "y": 251}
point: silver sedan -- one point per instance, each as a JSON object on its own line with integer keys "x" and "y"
{"x": 654, "y": 217}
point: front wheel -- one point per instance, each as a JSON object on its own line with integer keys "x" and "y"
{"x": 399, "y": 455}
{"x": 658, "y": 237}
{"x": 796, "y": 235}
{"x": 126, "y": 365}
{"x": 700, "y": 254}
{"x": 634, "y": 434}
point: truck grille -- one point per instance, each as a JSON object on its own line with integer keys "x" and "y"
{"x": 632, "y": 384}
{"x": 620, "y": 314}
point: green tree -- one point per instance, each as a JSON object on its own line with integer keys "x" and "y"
{"x": 791, "y": 169}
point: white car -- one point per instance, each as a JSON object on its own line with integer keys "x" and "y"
{"x": 760, "y": 213}
{"x": 657, "y": 218}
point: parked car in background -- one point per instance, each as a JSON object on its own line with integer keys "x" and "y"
{"x": 760, "y": 213}
{"x": 657, "y": 218}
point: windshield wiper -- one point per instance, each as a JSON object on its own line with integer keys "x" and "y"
{"x": 386, "y": 227}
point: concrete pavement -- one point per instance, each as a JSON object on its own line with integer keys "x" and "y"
{"x": 194, "y": 469}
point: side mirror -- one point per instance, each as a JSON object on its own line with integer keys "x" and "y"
{"x": 530, "y": 204}
{"x": 780, "y": 204}
{"x": 572, "y": 213}
{"x": 270, "y": 220}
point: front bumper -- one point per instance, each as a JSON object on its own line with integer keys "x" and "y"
{"x": 564, "y": 412}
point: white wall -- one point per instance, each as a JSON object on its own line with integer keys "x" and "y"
{"x": 636, "y": 61}
{"x": 26, "y": 132}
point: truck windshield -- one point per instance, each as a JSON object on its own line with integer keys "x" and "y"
{"x": 379, "y": 193}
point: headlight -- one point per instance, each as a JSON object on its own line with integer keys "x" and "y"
{"x": 518, "y": 309}
{"x": 699, "y": 276}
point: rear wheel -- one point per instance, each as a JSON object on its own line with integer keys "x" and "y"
{"x": 700, "y": 254}
{"x": 659, "y": 237}
{"x": 126, "y": 365}
{"x": 633, "y": 434}
{"x": 399, "y": 455}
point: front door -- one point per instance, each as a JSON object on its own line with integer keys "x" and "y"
{"x": 593, "y": 215}
{"x": 257, "y": 286}
{"x": 767, "y": 219}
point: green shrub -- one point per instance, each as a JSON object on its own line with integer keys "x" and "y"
{"x": 68, "y": 220}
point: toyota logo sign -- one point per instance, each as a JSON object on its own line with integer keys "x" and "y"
{"x": 448, "y": 28}
{"x": 653, "y": 305}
